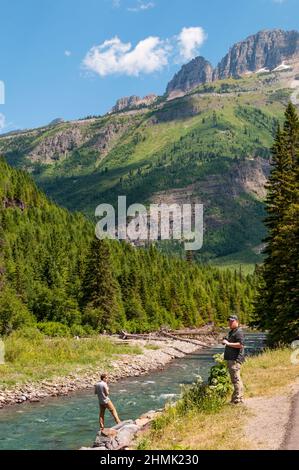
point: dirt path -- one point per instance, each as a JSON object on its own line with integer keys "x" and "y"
{"x": 291, "y": 441}
{"x": 274, "y": 421}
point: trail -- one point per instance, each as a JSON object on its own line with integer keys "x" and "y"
{"x": 274, "y": 420}
{"x": 291, "y": 441}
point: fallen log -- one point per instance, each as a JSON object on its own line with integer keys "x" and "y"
{"x": 163, "y": 336}
{"x": 194, "y": 333}
{"x": 124, "y": 335}
{"x": 186, "y": 340}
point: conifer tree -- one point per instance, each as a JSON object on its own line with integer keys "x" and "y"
{"x": 101, "y": 296}
{"x": 277, "y": 303}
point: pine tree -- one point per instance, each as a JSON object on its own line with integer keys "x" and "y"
{"x": 101, "y": 297}
{"x": 278, "y": 299}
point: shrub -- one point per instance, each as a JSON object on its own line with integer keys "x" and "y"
{"x": 207, "y": 396}
{"x": 81, "y": 331}
{"x": 13, "y": 312}
{"x": 29, "y": 332}
{"x": 54, "y": 329}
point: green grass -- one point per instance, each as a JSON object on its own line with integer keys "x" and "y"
{"x": 153, "y": 347}
{"x": 264, "y": 375}
{"x": 33, "y": 358}
{"x": 245, "y": 261}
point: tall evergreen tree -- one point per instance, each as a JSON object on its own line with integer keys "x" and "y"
{"x": 277, "y": 303}
{"x": 101, "y": 296}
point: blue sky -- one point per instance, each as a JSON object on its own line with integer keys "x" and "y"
{"x": 72, "y": 58}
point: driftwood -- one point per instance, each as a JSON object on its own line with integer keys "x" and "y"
{"x": 163, "y": 336}
{"x": 124, "y": 335}
{"x": 194, "y": 333}
{"x": 186, "y": 340}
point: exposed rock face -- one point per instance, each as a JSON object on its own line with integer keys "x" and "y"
{"x": 55, "y": 146}
{"x": 195, "y": 73}
{"x": 129, "y": 102}
{"x": 248, "y": 176}
{"x": 264, "y": 50}
{"x": 108, "y": 135}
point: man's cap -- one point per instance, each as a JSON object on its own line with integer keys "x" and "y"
{"x": 233, "y": 317}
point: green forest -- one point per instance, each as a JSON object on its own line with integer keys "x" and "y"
{"x": 277, "y": 302}
{"x": 55, "y": 275}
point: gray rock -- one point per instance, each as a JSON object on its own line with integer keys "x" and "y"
{"x": 101, "y": 440}
{"x": 119, "y": 426}
{"x": 266, "y": 49}
{"x": 195, "y": 73}
{"x": 131, "y": 102}
{"x": 125, "y": 435}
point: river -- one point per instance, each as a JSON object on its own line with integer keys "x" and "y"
{"x": 71, "y": 422}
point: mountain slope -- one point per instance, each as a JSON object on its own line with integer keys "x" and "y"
{"x": 211, "y": 146}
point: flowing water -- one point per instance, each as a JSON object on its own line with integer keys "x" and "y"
{"x": 71, "y": 422}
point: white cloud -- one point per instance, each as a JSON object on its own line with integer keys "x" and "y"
{"x": 114, "y": 56}
{"x": 190, "y": 39}
{"x": 67, "y": 53}
{"x": 141, "y": 6}
{"x": 150, "y": 55}
{"x": 2, "y": 122}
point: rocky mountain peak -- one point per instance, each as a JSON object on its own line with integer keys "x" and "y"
{"x": 130, "y": 102}
{"x": 266, "y": 50}
{"x": 195, "y": 73}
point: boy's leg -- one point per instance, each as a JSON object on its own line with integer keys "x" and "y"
{"x": 113, "y": 411}
{"x": 102, "y": 416}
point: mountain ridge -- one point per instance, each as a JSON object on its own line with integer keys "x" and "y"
{"x": 265, "y": 50}
{"x": 215, "y": 139}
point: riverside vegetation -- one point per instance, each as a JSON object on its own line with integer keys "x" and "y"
{"x": 199, "y": 420}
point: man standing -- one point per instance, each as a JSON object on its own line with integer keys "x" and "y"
{"x": 102, "y": 390}
{"x": 234, "y": 355}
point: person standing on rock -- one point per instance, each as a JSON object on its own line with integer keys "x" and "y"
{"x": 102, "y": 391}
{"x": 234, "y": 355}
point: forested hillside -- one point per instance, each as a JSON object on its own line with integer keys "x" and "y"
{"x": 212, "y": 145}
{"x": 54, "y": 273}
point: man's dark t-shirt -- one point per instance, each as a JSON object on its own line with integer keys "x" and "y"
{"x": 234, "y": 354}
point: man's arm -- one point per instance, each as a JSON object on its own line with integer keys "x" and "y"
{"x": 233, "y": 345}
{"x": 237, "y": 345}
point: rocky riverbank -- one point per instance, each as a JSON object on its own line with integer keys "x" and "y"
{"x": 121, "y": 436}
{"x": 123, "y": 366}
